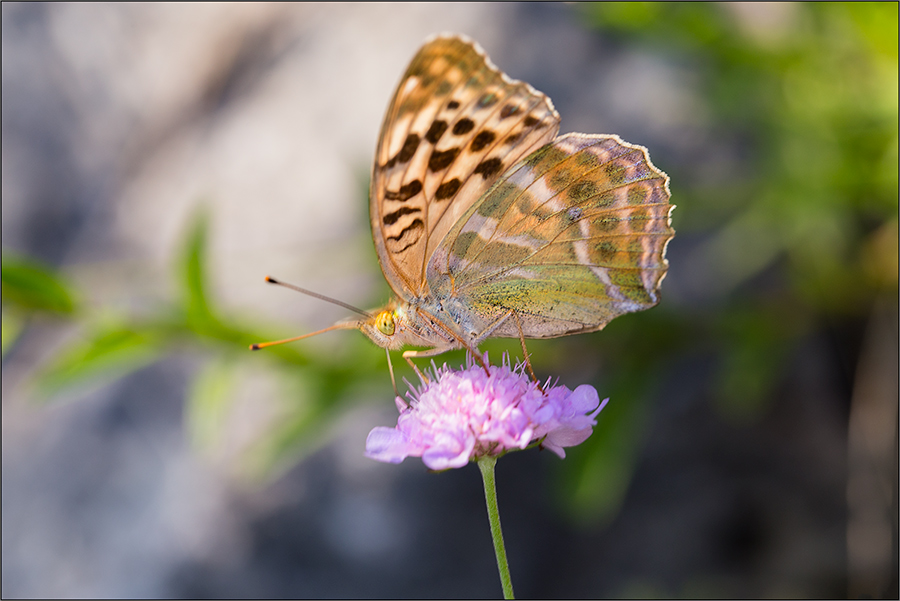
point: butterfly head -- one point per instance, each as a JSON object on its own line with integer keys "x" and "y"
{"x": 385, "y": 327}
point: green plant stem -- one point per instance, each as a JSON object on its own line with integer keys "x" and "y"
{"x": 486, "y": 465}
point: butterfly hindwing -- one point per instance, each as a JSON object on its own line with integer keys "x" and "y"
{"x": 454, "y": 125}
{"x": 569, "y": 238}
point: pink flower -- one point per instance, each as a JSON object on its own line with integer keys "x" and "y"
{"x": 462, "y": 415}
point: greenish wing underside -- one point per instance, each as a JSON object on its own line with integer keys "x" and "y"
{"x": 569, "y": 238}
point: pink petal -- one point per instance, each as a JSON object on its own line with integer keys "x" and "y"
{"x": 565, "y": 436}
{"x": 552, "y": 447}
{"x": 584, "y": 399}
{"x": 448, "y": 452}
{"x": 388, "y": 445}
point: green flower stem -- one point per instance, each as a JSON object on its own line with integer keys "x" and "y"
{"x": 486, "y": 465}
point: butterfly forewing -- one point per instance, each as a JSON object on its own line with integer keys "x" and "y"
{"x": 454, "y": 125}
{"x": 569, "y": 238}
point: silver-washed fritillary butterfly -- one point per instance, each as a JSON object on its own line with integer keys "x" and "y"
{"x": 487, "y": 224}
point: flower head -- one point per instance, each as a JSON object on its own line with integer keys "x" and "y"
{"x": 461, "y": 415}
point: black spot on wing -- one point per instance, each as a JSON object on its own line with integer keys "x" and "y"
{"x": 392, "y": 218}
{"x": 441, "y": 160}
{"x": 530, "y": 120}
{"x": 406, "y": 152}
{"x": 452, "y": 105}
{"x": 435, "y": 132}
{"x": 480, "y": 141}
{"x": 409, "y": 148}
{"x": 407, "y": 236}
{"x": 463, "y": 126}
{"x": 489, "y": 167}
{"x": 448, "y": 189}
{"x": 405, "y": 192}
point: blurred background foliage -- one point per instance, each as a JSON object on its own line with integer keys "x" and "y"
{"x": 786, "y": 231}
{"x": 112, "y": 345}
{"x": 799, "y": 233}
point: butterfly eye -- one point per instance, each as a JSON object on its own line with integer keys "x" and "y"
{"x": 385, "y": 323}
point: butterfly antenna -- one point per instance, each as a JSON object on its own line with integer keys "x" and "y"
{"x": 327, "y": 299}
{"x": 337, "y": 326}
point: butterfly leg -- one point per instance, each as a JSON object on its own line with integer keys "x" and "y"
{"x": 525, "y": 350}
{"x": 391, "y": 371}
{"x": 472, "y": 348}
{"x": 486, "y": 332}
{"x": 496, "y": 324}
{"x": 408, "y": 355}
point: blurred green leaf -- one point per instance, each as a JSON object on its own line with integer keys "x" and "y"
{"x": 12, "y": 327}
{"x": 296, "y": 431}
{"x": 199, "y": 319}
{"x": 32, "y": 286}
{"x": 208, "y": 401}
{"x": 192, "y": 267}
{"x": 627, "y": 16}
{"x": 109, "y": 351}
{"x": 754, "y": 350}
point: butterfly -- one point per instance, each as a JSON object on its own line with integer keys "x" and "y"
{"x": 486, "y": 224}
